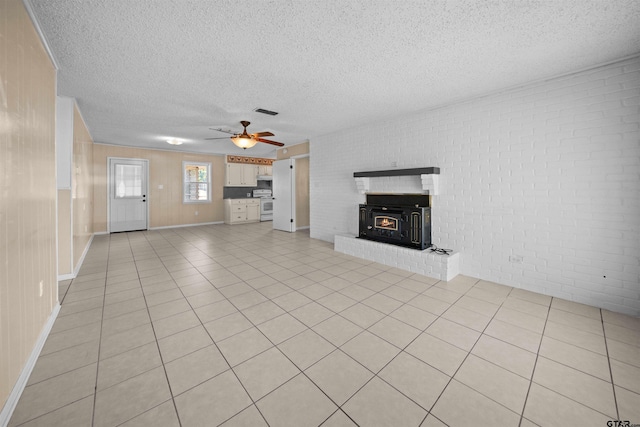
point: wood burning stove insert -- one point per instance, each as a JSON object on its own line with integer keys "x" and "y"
{"x": 397, "y": 219}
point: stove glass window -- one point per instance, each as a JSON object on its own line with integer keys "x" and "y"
{"x": 386, "y": 222}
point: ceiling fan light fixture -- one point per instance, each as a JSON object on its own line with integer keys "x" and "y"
{"x": 244, "y": 141}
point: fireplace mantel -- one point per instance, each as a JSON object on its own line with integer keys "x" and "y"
{"x": 398, "y": 172}
{"x": 429, "y": 177}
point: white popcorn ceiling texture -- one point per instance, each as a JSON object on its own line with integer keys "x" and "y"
{"x": 143, "y": 71}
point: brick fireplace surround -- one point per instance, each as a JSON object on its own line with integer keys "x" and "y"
{"x": 428, "y": 263}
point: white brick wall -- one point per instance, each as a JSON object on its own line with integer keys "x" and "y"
{"x": 549, "y": 172}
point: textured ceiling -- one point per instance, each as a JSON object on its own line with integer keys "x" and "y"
{"x": 144, "y": 71}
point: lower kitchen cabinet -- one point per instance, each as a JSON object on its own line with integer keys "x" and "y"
{"x": 240, "y": 211}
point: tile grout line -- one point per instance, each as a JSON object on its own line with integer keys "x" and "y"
{"x": 214, "y": 343}
{"x": 144, "y": 296}
{"x": 302, "y": 372}
{"x": 162, "y": 261}
{"x": 137, "y": 346}
{"x": 278, "y": 348}
{"x": 576, "y": 369}
{"x": 535, "y": 363}
{"x": 606, "y": 347}
{"x": 254, "y": 324}
{"x": 102, "y": 312}
{"x": 104, "y": 300}
{"x": 424, "y": 331}
{"x": 58, "y": 375}
{"x": 286, "y": 311}
{"x": 465, "y": 358}
{"x": 375, "y": 374}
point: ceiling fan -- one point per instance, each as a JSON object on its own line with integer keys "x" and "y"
{"x": 245, "y": 140}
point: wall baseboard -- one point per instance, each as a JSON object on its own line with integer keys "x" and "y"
{"x": 303, "y": 228}
{"x": 99, "y": 233}
{"x": 18, "y": 388}
{"x": 76, "y": 270}
{"x": 84, "y": 254}
{"x": 186, "y": 225}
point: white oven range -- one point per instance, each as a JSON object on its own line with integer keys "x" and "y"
{"x": 266, "y": 203}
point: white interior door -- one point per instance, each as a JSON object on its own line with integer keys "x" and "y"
{"x": 128, "y": 194}
{"x": 284, "y": 195}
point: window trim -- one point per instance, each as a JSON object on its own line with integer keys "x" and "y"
{"x": 186, "y": 163}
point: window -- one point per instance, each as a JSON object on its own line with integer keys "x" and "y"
{"x": 197, "y": 182}
{"x": 128, "y": 181}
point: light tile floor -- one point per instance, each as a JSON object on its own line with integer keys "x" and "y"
{"x": 244, "y": 326}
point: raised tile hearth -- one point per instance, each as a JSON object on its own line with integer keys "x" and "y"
{"x": 426, "y": 262}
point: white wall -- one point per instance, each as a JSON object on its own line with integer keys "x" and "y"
{"x": 64, "y": 141}
{"x": 549, "y": 172}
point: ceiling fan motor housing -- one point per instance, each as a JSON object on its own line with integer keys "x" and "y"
{"x": 245, "y": 140}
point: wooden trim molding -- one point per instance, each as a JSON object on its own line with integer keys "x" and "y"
{"x": 249, "y": 160}
{"x": 399, "y": 172}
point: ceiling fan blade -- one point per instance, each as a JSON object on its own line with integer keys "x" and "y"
{"x": 267, "y": 141}
{"x": 223, "y": 130}
{"x": 261, "y": 134}
{"x": 222, "y": 137}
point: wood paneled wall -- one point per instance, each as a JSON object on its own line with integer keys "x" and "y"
{"x": 28, "y": 286}
{"x": 81, "y": 186}
{"x": 165, "y": 168}
{"x": 65, "y": 228}
{"x": 302, "y": 192}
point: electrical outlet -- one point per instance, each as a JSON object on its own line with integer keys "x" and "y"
{"x": 41, "y": 287}
{"x": 516, "y": 259}
{"x": 196, "y": 213}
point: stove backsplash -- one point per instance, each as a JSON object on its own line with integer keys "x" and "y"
{"x": 241, "y": 192}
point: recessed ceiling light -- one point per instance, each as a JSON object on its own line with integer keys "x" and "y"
{"x": 174, "y": 141}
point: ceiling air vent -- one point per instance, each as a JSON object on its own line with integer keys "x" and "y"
{"x": 263, "y": 111}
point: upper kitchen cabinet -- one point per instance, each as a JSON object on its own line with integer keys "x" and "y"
{"x": 241, "y": 175}
{"x": 265, "y": 170}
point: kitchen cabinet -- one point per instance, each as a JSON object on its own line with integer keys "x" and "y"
{"x": 241, "y": 175}
{"x": 253, "y": 211}
{"x": 240, "y": 211}
{"x": 265, "y": 170}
